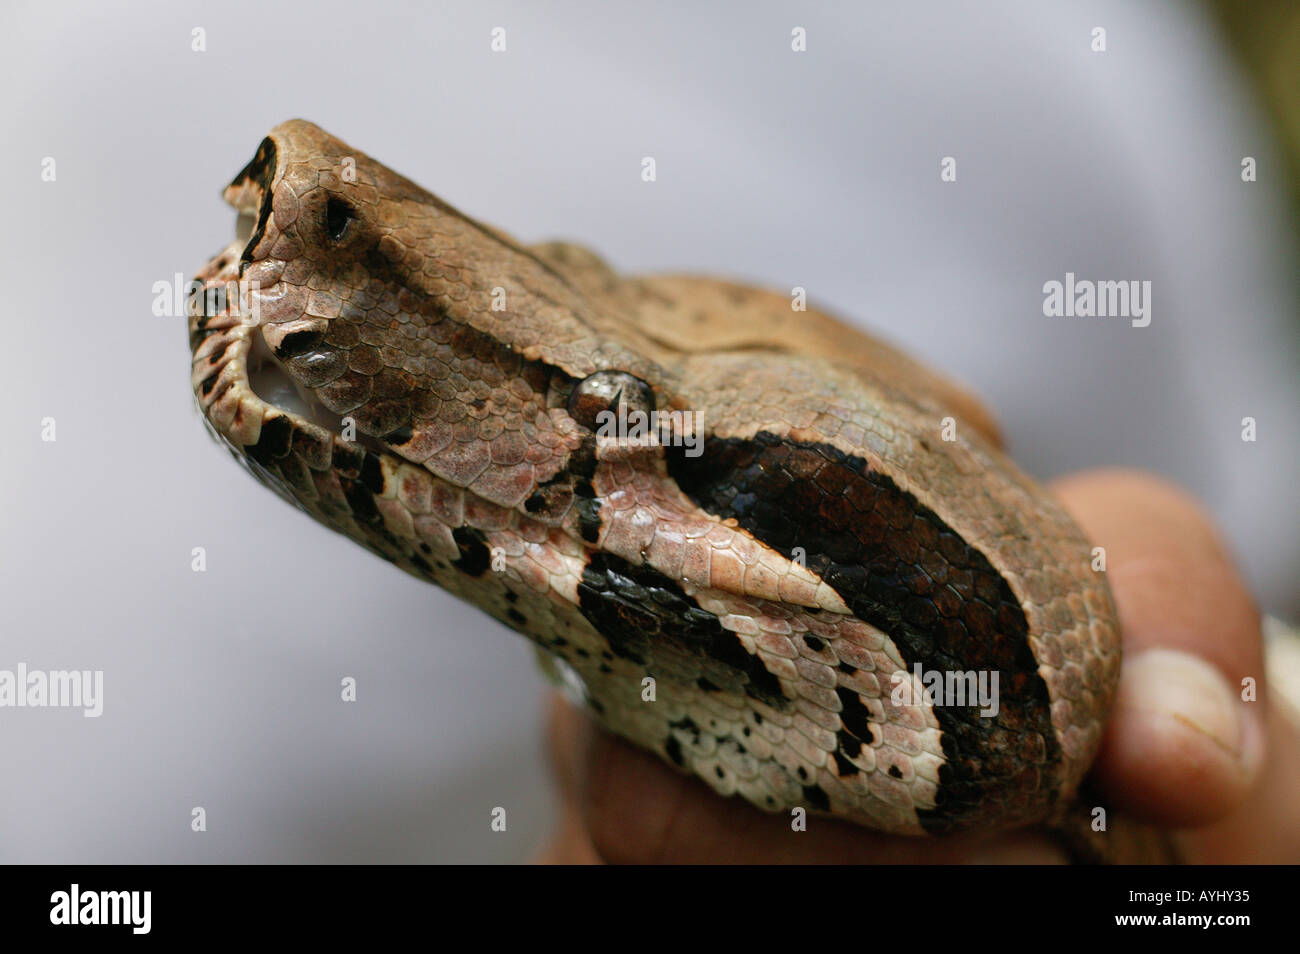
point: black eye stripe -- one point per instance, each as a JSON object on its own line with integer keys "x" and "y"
{"x": 899, "y": 567}
{"x": 338, "y": 213}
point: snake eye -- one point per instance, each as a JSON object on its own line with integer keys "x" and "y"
{"x": 604, "y": 391}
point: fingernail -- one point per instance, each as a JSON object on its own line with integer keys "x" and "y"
{"x": 1197, "y": 697}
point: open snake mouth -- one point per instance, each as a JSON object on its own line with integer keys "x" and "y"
{"x": 270, "y": 381}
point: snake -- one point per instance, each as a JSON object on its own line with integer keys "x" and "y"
{"x": 750, "y": 538}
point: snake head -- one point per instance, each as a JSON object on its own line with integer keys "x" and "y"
{"x": 365, "y": 304}
{"x": 425, "y": 385}
{"x": 389, "y": 364}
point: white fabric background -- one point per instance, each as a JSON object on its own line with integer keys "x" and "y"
{"x": 817, "y": 169}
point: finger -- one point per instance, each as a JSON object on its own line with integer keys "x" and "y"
{"x": 570, "y": 844}
{"x": 1182, "y": 747}
{"x": 1266, "y": 828}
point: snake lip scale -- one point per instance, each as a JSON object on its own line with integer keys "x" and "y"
{"x": 766, "y": 614}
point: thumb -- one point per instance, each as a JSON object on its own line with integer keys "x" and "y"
{"x": 1185, "y": 743}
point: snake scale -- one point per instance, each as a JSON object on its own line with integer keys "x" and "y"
{"x": 799, "y": 591}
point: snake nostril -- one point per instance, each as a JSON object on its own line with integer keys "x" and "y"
{"x": 296, "y": 343}
{"x": 337, "y": 216}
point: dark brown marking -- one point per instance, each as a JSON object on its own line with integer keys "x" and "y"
{"x": 817, "y": 798}
{"x": 273, "y": 442}
{"x": 588, "y": 508}
{"x": 348, "y": 459}
{"x": 372, "y": 473}
{"x": 361, "y": 501}
{"x": 673, "y": 749}
{"x": 400, "y": 436}
{"x": 900, "y": 568}
{"x": 260, "y": 169}
{"x": 475, "y": 557}
{"x": 637, "y": 608}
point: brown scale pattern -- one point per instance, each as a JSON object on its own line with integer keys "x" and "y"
{"x": 455, "y": 351}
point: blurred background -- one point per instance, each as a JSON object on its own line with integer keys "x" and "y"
{"x": 817, "y": 168}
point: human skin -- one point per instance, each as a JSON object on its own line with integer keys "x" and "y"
{"x": 1182, "y": 749}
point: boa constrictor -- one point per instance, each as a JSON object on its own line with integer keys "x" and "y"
{"x": 819, "y": 584}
